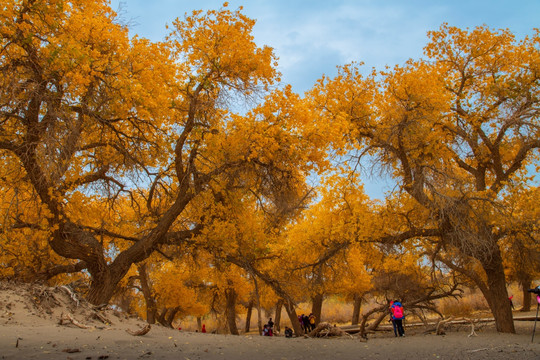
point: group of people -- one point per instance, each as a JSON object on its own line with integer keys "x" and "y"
{"x": 307, "y": 322}
{"x": 268, "y": 329}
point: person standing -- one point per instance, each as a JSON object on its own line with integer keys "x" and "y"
{"x": 271, "y": 324}
{"x": 397, "y": 314}
{"x": 305, "y": 320}
{"x": 203, "y": 328}
{"x": 312, "y": 321}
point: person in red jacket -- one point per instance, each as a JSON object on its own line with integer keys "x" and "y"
{"x": 203, "y": 328}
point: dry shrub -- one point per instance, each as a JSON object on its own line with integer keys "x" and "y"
{"x": 472, "y": 301}
{"x": 335, "y": 311}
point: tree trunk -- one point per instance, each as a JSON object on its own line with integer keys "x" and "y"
{"x": 248, "y": 316}
{"x": 231, "y": 296}
{"x": 356, "y": 310}
{"x": 102, "y": 288}
{"x": 362, "y": 331}
{"x": 494, "y": 289}
{"x": 277, "y": 319}
{"x": 199, "y": 323}
{"x": 497, "y": 294}
{"x": 382, "y": 309}
{"x": 146, "y": 287}
{"x": 316, "y": 307}
{"x": 291, "y": 311}
{"x": 377, "y": 321}
{"x": 525, "y": 286}
{"x": 258, "y": 303}
{"x": 170, "y": 317}
{"x": 162, "y": 316}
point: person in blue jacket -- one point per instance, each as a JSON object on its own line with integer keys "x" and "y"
{"x": 397, "y": 314}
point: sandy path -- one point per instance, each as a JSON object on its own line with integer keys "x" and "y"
{"x": 29, "y": 329}
{"x": 51, "y": 342}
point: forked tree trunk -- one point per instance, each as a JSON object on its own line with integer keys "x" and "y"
{"x": 316, "y": 307}
{"x": 105, "y": 276}
{"x": 167, "y": 315}
{"x": 248, "y": 316}
{"x": 293, "y": 316}
{"x": 356, "y": 309}
{"x": 161, "y": 318}
{"x": 277, "y": 319}
{"x": 170, "y": 317}
{"x": 231, "y": 296}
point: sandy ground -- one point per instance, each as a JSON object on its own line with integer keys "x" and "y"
{"x": 30, "y": 331}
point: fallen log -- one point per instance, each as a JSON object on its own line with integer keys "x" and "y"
{"x": 353, "y": 329}
{"x": 526, "y": 318}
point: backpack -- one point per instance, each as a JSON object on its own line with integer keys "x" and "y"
{"x": 397, "y": 312}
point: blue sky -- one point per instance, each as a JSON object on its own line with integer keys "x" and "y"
{"x": 312, "y": 37}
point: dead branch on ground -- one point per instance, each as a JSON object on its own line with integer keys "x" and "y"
{"x": 324, "y": 329}
{"x": 140, "y": 332}
{"x": 69, "y": 319}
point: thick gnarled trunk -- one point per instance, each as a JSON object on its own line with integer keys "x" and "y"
{"x": 102, "y": 288}
{"x": 496, "y": 293}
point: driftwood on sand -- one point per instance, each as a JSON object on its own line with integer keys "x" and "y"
{"x": 140, "y": 332}
{"x": 439, "y": 329}
{"x": 67, "y": 318}
{"x": 324, "y": 329}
